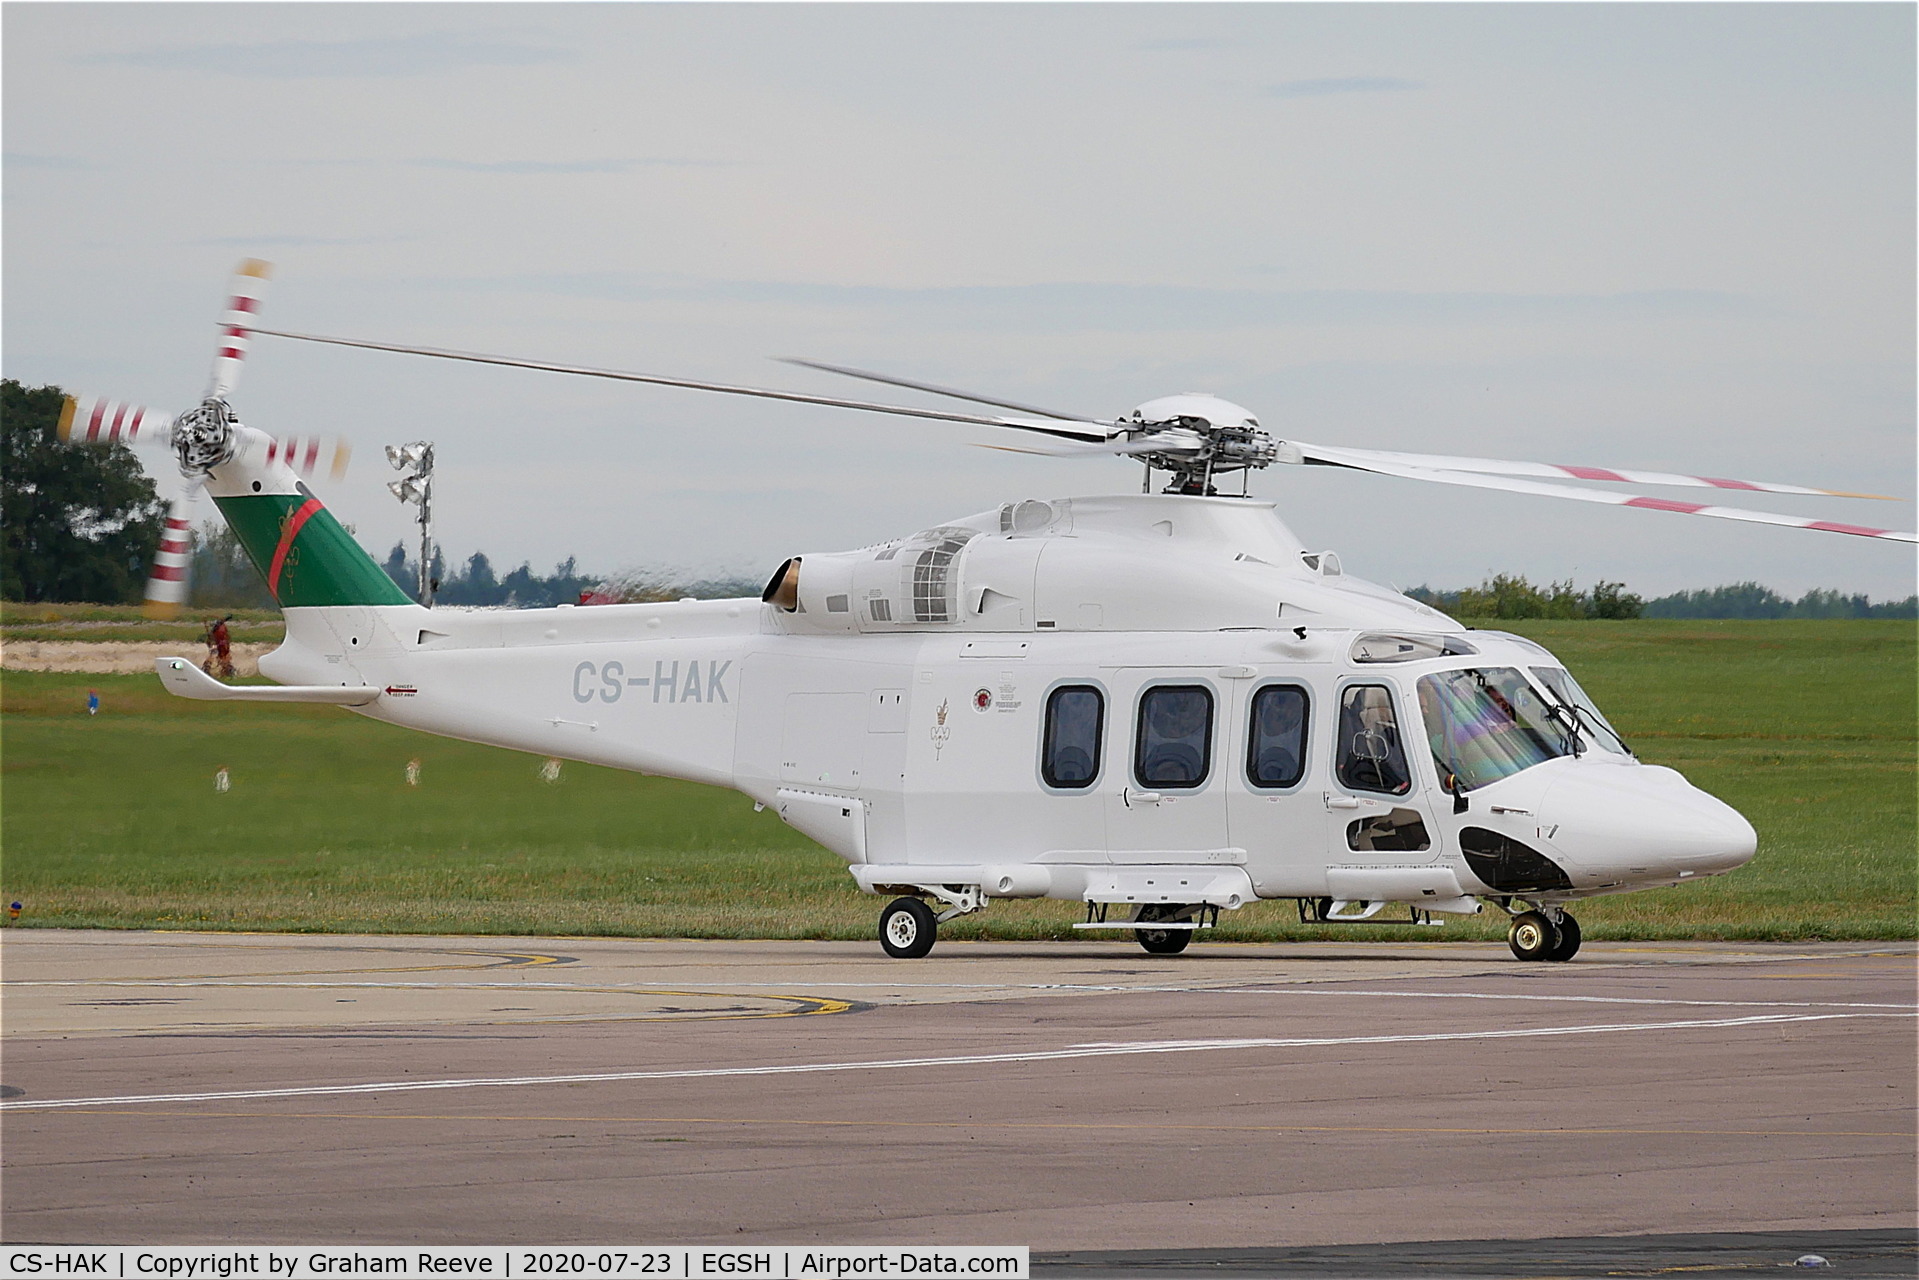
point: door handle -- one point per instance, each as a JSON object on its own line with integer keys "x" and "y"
{"x": 1341, "y": 802}
{"x": 1129, "y": 797}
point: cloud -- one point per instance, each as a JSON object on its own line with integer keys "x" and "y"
{"x": 551, "y": 166}
{"x": 1175, "y": 45}
{"x": 296, "y": 242}
{"x": 26, "y": 160}
{"x": 1344, "y": 84}
{"x": 304, "y": 59}
{"x": 1135, "y": 307}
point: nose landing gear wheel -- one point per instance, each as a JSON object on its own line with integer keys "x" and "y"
{"x": 1161, "y": 942}
{"x": 907, "y": 929}
{"x": 1532, "y": 936}
{"x": 1568, "y": 938}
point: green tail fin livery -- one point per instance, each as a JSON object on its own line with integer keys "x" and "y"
{"x": 303, "y": 553}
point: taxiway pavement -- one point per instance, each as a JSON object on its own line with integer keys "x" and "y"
{"x": 202, "y": 1088}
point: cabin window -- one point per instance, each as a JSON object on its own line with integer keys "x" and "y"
{"x": 1371, "y": 756}
{"x": 1276, "y": 744}
{"x": 1174, "y": 748}
{"x": 1075, "y": 723}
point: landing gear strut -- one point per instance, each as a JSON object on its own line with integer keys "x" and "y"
{"x": 1534, "y": 936}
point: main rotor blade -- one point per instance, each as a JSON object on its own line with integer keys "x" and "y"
{"x": 1070, "y": 429}
{"x": 1113, "y": 448}
{"x": 1355, "y": 460}
{"x": 1506, "y": 467}
{"x": 931, "y": 389}
{"x": 249, "y": 283}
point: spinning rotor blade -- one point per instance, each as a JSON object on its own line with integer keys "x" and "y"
{"x": 1504, "y": 467}
{"x": 1113, "y": 448}
{"x": 1066, "y": 428}
{"x": 172, "y": 568}
{"x": 249, "y": 282}
{"x": 1366, "y": 460}
{"x": 306, "y": 454}
{"x": 928, "y": 387}
{"x": 98, "y": 420}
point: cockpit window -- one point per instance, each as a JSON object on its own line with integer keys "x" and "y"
{"x": 1560, "y": 682}
{"x": 1488, "y": 723}
{"x": 1370, "y": 755}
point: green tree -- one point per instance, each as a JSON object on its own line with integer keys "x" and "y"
{"x": 1612, "y": 600}
{"x": 223, "y": 575}
{"x": 78, "y": 522}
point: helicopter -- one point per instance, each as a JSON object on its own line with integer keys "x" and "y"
{"x": 1162, "y": 705}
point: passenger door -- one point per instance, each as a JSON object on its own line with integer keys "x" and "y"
{"x": 1276, "y": 794}
{"x": 1166, "y": 798}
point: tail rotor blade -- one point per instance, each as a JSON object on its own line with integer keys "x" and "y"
{"x": 170, "y": 576}
{"x": 236, "y": 326}
{"x": 98, "y": 420}
{"x": 306, "y": 455}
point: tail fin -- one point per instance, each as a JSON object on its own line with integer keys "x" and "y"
{"x": 306, "y": 557}
{"x": 304, "y": 554}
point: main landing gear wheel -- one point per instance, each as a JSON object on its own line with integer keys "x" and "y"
{"x": 1532, "y": 936}
{"x": 1568, "y": 938}
{"x": 1161, "y": 942}
{"x": 907, "y": 928}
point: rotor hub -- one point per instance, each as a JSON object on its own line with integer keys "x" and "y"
{"x": 1204, "y": 436}
{"x": 203, "y": 438}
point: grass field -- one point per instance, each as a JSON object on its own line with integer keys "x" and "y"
{"x": 24, "y": 622}
{"x": 1806, "y": 727}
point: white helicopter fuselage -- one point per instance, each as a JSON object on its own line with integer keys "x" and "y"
{"x": 1125, "y": 700}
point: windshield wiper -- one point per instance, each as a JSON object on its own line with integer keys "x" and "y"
{"x": 1567, "y": 717}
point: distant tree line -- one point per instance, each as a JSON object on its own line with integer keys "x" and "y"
{"x": 476, "y": 584}
{"x": 1511, "y": 596}
{"x": 1750, "y": 600}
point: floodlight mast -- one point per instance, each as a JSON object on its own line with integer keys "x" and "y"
{"x": 418, "y": 489}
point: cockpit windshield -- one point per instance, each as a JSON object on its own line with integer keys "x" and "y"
{"x": 1488, "y": 723}
{"x": 1560, "y": 682}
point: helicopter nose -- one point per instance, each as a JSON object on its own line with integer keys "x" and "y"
{"x": 1648, "y": 820}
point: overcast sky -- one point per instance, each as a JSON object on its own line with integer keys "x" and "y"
{"x": 1659, "y": 236}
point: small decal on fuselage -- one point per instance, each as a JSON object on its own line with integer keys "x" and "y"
{"x": 672, "y": 680}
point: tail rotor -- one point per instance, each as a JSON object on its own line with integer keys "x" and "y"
{"x": 200, "y": 439}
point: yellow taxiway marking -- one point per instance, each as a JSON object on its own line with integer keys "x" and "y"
{"x": 497, "y": 959}
{"x": 1077, "y": 1125}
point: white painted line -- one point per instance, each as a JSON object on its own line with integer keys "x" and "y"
{"x": 1500, "y": 995}
{"x": 735, "y": 989}
{"x": 980, "y": 1059}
